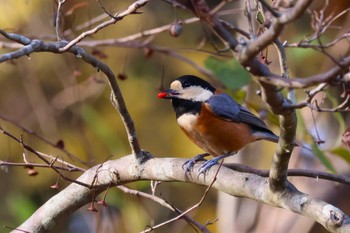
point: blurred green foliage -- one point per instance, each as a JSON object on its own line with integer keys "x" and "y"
{"x": 226, "y": 70}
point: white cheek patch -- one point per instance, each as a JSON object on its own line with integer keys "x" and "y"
{"x": 196, "y": 93}
{"x": 176, "y": 85}
{"x": 187, "y": 121}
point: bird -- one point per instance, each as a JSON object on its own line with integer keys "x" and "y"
{"x": 213, "y": 120}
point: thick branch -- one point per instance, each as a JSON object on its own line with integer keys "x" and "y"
{"x": 246, "y": 55}
{"x": 128, "y": 169}
{"x": 273, "y": 31}
{"x": 299, "y": 82}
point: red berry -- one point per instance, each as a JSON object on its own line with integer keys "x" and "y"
{"x": 162, "y": 95}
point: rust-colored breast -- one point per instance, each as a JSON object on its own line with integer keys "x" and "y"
{"x": 221, "y": 136}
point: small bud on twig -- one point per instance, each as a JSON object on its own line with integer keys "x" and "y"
{"x": 176, "y": 28}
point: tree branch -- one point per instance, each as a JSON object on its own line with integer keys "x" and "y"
{"x": 162, "y": 202}
{"x": 344, "y": 179}
{"x": 299, "y": 82}
{"x": 132, "y": 9}
{"x": 246, "y": 55}
{"x": 128, "y": 169}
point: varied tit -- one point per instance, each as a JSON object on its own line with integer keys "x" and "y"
{"x": 213, "y": 120}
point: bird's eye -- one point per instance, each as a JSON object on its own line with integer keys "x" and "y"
{"x": 186, "y": 84}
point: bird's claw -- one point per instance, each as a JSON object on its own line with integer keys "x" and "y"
{"x": 206, "y": 166}
{"x": 191, "y": 162}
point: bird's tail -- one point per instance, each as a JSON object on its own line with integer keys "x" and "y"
{"x": 266, "y": 136}
{"x": 272, "y": 138}
{"x": 269, "y": 137}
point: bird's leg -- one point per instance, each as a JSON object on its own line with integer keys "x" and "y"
{"x": 208, "y": 164}
{"x": 191, "y": 162}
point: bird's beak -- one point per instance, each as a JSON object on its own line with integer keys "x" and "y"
{"x": 167, "y": 94}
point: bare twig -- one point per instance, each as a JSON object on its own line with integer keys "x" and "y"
{"x": 321, "y": 26}
{"x": 252, "y": 49}
{"x": 106, "y": 11}
{"x": 343, "y": 179}
{"x": 282, "y": 57}
{"x": 164, "y": 203}
{"x": 269, "y": 8}
{"x": 342, "y": 107}
{"x": 58, "y": 167}
{"x": 117, "y": 99}
{"x": 300, "y": 83}
{"x": 43, "y": 156}
{"x": 132, "y": 9}
{"x": 308, "y": 44}
{"x": 190, "y": 209}
{"x": 56, "y": 145}
{"x": 59, "y": 20}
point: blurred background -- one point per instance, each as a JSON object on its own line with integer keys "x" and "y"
{"x": 65, "y": 101}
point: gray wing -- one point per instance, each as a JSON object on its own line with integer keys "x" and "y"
{"x": 225, "y": 107}
{"x": 228, "y": 109}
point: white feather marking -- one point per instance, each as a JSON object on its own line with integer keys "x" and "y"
{"x": 195, "y": 93}
{"x": 186, "y": 121}
{"x": 176, "y": 85}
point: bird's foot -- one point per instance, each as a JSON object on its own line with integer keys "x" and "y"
{"x": 208, "y": 164}
{"x": 191, "y": 162}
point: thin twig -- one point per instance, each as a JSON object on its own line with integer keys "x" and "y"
{"x": 269, "y": 8}
{"x": 163, "y": 203}
{"x": 59, "y": 20}
{"x": 190, "y": 209}
{"x": 40, "y": 154}
{"x": 117, "y": 99}
{"x": 132, "y": 9}
{"x": 41, "y": 157}
{"x": 67, "y": 168}
{"x": 55, "y": 145}
{"x": 343, "y": 179}
{"x": 282, "y": 57}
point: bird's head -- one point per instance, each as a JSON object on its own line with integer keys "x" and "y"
{"x": 188, "y": 87}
